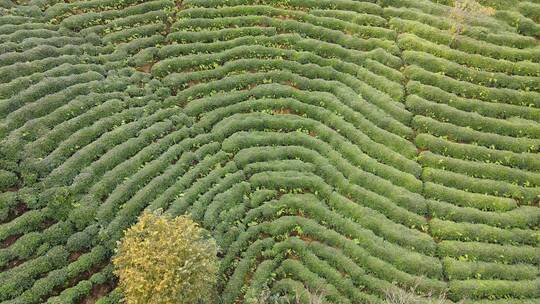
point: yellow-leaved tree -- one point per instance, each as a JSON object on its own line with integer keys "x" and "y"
{"x": 166, "y": 261}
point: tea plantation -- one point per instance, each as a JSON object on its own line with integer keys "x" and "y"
{"x": 353, "y": 145}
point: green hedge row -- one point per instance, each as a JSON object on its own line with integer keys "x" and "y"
{"x": 476, "y": 251}
{"x": 232, "y": 198}
{"x": 259, "y": 280}
{"x": 380, "y": 69}
{"x": 466, "y": 135}
{"x": 113, "y": 17}
{"x": 19, "y": 76}
{"x": 522, "y": 217}
{"x": 278, "y": 165}
{"x": 57, "y": 41}
{"x": 29, "y": 221}
{"x": 524, "y": 161}
{"x": 481, "y": 170}
{"x": 293, "y": 268}
{"x": 325, "y": 133}
{"x": 352, "y": 17}
{"x": 214, "y": 117}
{"x": 7, "y": 29}
{"x": 347, "y": 221}
{"x": 530, "y": 10}
{"x": 107, "y": 183}
{"x": 493, "y": 289}
{"x": 60, "y": 11}
{"x": 21, "y": 35}
{"x": 47, "y": 51}
{"x": 321, "y": 154}
{"x": 344, "y": 264}
{"x": 287, "y": 286}
{"x": 77, "y": 114}
{"x": 121, "y": 24}
{"x": 84, "y": 287}
{"x": 462, "y": 270}
{"x": 447, "y": 230}
{"x": 463, "y": 73}
{"x": 130, "y": 34}
{"x": 523, "y": 68}
{"x": 463, "y": 43}
{"x": 144, "y": 186}
{"x": 44, "y": 106}
{"x": 477, "y": 31}
{"x": 7, "y": 179}
{"x": 346, "y": 5}
{"x": 114, "y": 297}
{"x": 14, "y": 19}
{"x": 309, "y": 228}
{"x": 217, "y": 39}
{"x": 344, "y": 286}
{"x": 495, "y": 110}
{"x": 289, "y": 25}
{"x": 237, "y": 281}
{"x": 448, "y": 114}
{"x": 468, "y": 199}
{"x": 44, "y": 88}
{"x": 377, "y": 89}
{"x": 15, "y": 281}
{"x": 469, "y": 90}
{"x": 36, "y": 243}
{"x": 20, "y": 84}
{"x": 8, "y": 201}
{"x": 522, "y": 24}
{"x": 62, "y": 163}
{"x": 59, "y": 277}
{"x": 224, "y": 14}
{"x": 202, "y": 36}
{"x": 199, "y": 196}
{"x": 524, "y": 195}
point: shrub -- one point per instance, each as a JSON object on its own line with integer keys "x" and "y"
{"x": 7, "y": 179}
{"x": 316, "y": 296}
{"x": 465, "y": 11}
{"x": 396, "y": 295}
{"x": 163, "y": 260}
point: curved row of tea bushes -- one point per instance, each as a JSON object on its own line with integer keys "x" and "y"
{"x": 345, "y": 144}
{"x": 55, "y": 83}
{"x": 474, "y": 97}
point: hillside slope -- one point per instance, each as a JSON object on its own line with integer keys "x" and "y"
{"x": 336, "y": 143}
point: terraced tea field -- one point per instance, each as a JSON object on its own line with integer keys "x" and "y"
{"x": 337, "y": 143}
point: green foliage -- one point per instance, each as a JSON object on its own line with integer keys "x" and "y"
{"x": 350, "y": 147}
{"x": 7, "y": 179}
{"x": 397, "y": 295}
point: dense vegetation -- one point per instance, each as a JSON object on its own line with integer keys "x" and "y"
{"x": 162, "y": 260}
{"x": 346, "y": 145}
